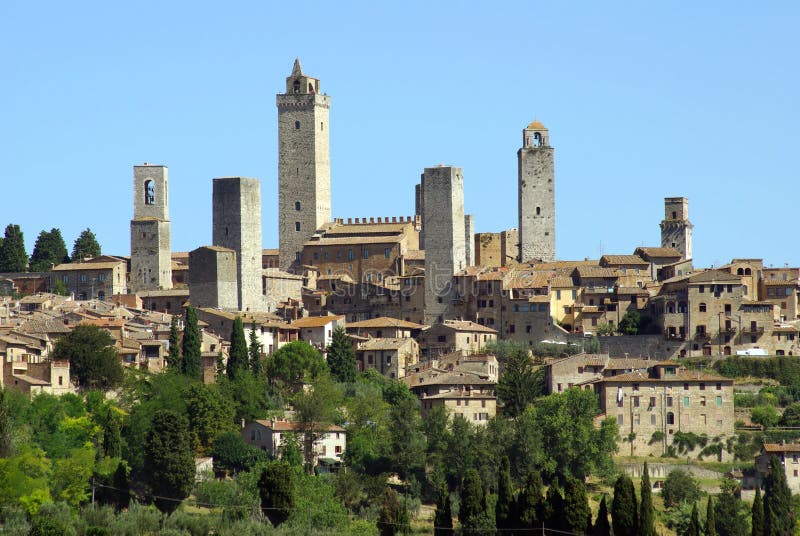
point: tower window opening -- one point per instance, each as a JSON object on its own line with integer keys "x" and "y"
{"x": 149, "y": 192}
{"x": 674, "y": 215}
{"x": 297, "y": 205}
{"x": 538, "y": 210}
{"x": 310, "y": 88}
{"x": 321, "y": 125}
{"x": 296, "y": 86}
{"x": 537, "y": 139}
{"x": 297, "y": 125}
{"x": 297, "y": 226}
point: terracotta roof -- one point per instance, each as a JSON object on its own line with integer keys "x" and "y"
{"x": 315, "y": 321}
{"x": 623, "y": 259}
{"x": 269, "y": 252}
{"x": 629, "y": 363}
{"x": 385, "y": 322}
{"x": 458, "y": 394}
{"x": 529, "y": 280}
{"x": 780, "y": 282}
{"x": 709, "y": 276}
{"x": 536, "y": 125}
{"x": 561, "y": 281}
{"x": 217, "y": 248}
{"x": 681, "y": 376}
{"x": 777, "y": 447}
{"x": 466, "y": 325}
{"x": 383, "y": 344}
{"x": 658, "y": 252}
{"x": 595, "y": 271}
{"x": 74, "y": 266}
{"x": 355, "y": 240}
{"x": 291, "y": 426}
{"x": 30, "y": 380}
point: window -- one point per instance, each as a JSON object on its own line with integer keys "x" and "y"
{"x": 297, "y": 125}
{"x": 101, "y": 277}
{"x": 685, "y": 386}
{"x": 538, "y": 211}
{"x": 366, "y": 253}
{"x": 636, "y": 401}
{"x": 685, "y": 401}
{"x": 458, "y": 402}
{"x": 703, "y": 401}
{"x": 652, "y": 419}
{"x": 558, "y": 294}
{"x": 670, "y": 418}
{"x": 702, "y": 308}
{"x": 441, "y": 338}
{"x": 719, "y": 401}
{"x": 635, "y": 386}
{"x": 701, "y": 289}
{"x": 652, "y": 401}
{"x": 149, "y": 192}
{"x": 620, "y": 401}
{"x": 350, "y": 254}
{"x": 620, "y": 419}
{"x": 702, "y": 387}
{"x": 719, "y": 386}
{"x": 65, "y": 278}
{"x": 387, "y": 252}
{"x": 83, "y": 278}
{"x": 297, "y": 205}
{"x": 297, "y": 226}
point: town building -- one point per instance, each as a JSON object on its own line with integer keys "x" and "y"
{"x": 95, "y": 278}
{"x": 270, "y": 436}
{"x": 788, "y": 454}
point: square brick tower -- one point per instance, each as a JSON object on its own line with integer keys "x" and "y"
{"x": 151, "y": 257}
{"x": 304, "y": 169}
{"x": 676, "y": 229}
{"x": 537, "y": 201}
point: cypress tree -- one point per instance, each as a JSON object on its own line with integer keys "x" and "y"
{"x": 711, "y": 525}
{"x": 393, "y": 515}
{"x": 623, "y": 507}
{"x": 577, "y": 514}
{"x": 86, "y": 245}
{"x": 169, "y": 460}
{"x": 341, "y": 359}
{"x": 276, "y": 488}
{"x": 254, "y": 350}
{"x": 530, "y": 505}
{"x": 191, "y": 358}
{"x": 6, "y": 433}
{"x": 112, "y": 439}
{"x": 757, "y": 514}
{"x": 443, "y": 520}
{"x": 48, "y": 250}
{"x": 556, "y": 510}
{"x": 646, "y": 511}
{"x": 473, "y": 502}
{"x": 505, "y": 507}
{"x": 778, "y": 514}
{"x": 238, "y": 357}
{"x": 601, "y": 526}
{"x": 12, "y": 251}
{"x": 694, "y": 523}
{"x": 122, "y": 487}
{"x": 174, "y": 357}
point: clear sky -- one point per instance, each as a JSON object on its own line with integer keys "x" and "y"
{"x": 643, "y": 100}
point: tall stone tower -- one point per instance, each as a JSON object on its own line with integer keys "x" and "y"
{"x": 304, "y": 168}
{"x": 445, "y": 248}
{"x": 237, "y": 226}
{"x": 676, "y": 229}
{"x": 151, "y": 257}
{"x": 537, "y": 201}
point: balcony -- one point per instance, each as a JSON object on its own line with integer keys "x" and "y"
{"x": 702, "y": 336}
{"x": 753, "y": 329}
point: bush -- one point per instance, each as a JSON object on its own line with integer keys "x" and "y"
{"x": 679, "y": 487}
{"x": 766, "y": 416}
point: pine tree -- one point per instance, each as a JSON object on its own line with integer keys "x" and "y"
{"x": 623, "y": 507}
{"x": 555, "y": 508}
{"x": 174, "y": 357}
{"x": 646, "y": 511}
{"x": 122, "y": 487}
{"x": 778, "y": 514}
{"x": 757, "y": 512}
{"x": 443, "y": 520}
{"x": 169, "y": 460}
{"x": 472, "y": 512}
{"x": 505, "y": 507}
{"x": 48, "y": 251}
{"x": 254, "y": 349}
{"x": 711, "y": 526}
{"x": 601, "y": 526}
{"x": 694, "y": 523}
{"x": 85, "y": 246}
{"x": 191, "y": 358}
{"x": 577, "y": 514}
{"x": 238, "y": 358}
{"x": 12, "y": 251}
{"x": 530, "y": 503}
{"x": 341, "y": 359}
{"x": 276, "y": 488}
{"x": 112, "y": 439}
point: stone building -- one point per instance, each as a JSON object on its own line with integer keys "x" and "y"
{"x": 270, "y": 435}
{"x": 237, "y": 226}
{"x": 789, "y": 455}
{"x": 214, "y": 282}
{"x": 318, "y": 330}
{"x": 304, "y": 175}
{"x": 469, "y": 239}
{"x": 496, "y": 249}
{"x": 96, "y": 278}
{"x": 462, "y": 393}
{"x": 676, "y": 229}
{"x": 278, "y": 286}
{"x": 389, "y": 356}
{"x": 455, "y": 335}
{"x": 271, "y": 332}
{"x": 537, "y": 205}
{"x": 151, "y": 260}
{"x": 443, "y": 226}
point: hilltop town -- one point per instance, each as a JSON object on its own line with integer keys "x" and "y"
{"x": 480, "y": 337}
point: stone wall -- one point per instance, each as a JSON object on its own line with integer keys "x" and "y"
{"x": 214, "y": 279}
{"x": 469, "y": 239}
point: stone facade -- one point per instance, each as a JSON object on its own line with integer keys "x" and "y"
{"x": 304, "y": 175}
{"x": 151, "y": 262}
{"x": 496, "y": 249}
{"x": 279, "y": 286}
{"x": 469, "y": 238}
{"x": 789, "y": 455}
{"x": 676, "y": 229}
{"x": 537, "y": 204}
{"x": 445, "y": 250}
{"x": 98, "y": 278}
{"x": 237, "y": 226}
{"x": 214, "y": 281}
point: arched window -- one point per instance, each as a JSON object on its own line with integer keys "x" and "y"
{"x": 702, "y": 308}
{"x": 149, "y": 192}
{"x": 670, "y": 418}
{"x": 744, "y": 290}
{"x": 748, "y": 271}
{"x": 739, "y": 272}
{"x": 296, "y": 86}
{"x": 310, "y": 88}
{"x": 670, "y": 307}
{"x": 682, "y": 307}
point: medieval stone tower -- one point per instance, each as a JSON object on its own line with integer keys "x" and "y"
{"x": 237, "y": 226}
{"x": 443, "y": 220}
{"x": 676, "y": 229}
{"x": 537, "y": 202}
{"x": 151, "y": 258}
{"x": 304, "y": 170}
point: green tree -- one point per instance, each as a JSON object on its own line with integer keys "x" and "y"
{"x": 406, "y": 440}
{"x": 277, "y": 489}
{"x": 757, "y": 514}
{"x": 174, "y": 357}
{"x": 238, "y": 356}
{"x": 731, "y": 516}
{"x": 6, "y": 431}
{"x": 505, "y": 507}
{"x": 592, "y": 345}
{"x": 711, "y": 525}
{"x": 601, "y": 525}
{"x": 623, "y": 508}
{"x": 60, "y": 288}
{"x": 679, "y": 486}
{"x": 191, "y": 357}
{"x": 393, "y": 515}
{"x": 93, "y": 359}
{"x": 341, "y": 359}
{"x": 85, "y": 246}
{"x": 232, "y": 455}
{"x": 169, "y": 462}
{"x": 516, "y": 388}
{"x": 121, "y": 487}
{"x": 531, "y": 501}
{"x": 694, "y": 524}
{"x": 112, "y": 438}
{"x": 210, "y": 414}
{"x": 48, "y": 251}
{"x": 254, "y": 350}
{"x": 791, "y": 415}
{"x": 472, "y": 510}
{"x": 291, "y": 451}
{"x": 315, "y": 410}
{"x": 778, "y": 513}
{"x": 555, "y": 508}
{"x": 577, "y": 514}
{"x": 443, "y": 519}
{"x": 294, "y": 364}
{"x": 646, "y": 511}
{"x": 766, "y": 415}
{"x": 12, "y": 251}
{"x": 629, "y": 324}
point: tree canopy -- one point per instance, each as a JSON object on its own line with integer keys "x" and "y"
{"x": 624, "y": 517}
{"x": 169, "y": 458}
{"x": 294, "y": 364}
{"x": 517, "y": 386}
{"x": 341, "y": 359}
{"x": 191, "y": 357}
{"x": 48, "y": 251}
{"x": 238, "y": 356}
{"x": 86, "y": 245}
{"x": 94, "y": 361}
{"x": 13, "y": 257}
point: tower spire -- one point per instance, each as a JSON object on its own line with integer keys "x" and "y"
{"x": 297, "y": 69}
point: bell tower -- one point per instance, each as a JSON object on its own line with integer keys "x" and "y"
{"x": 676, "y": 229}
{"x": 304, "y": 170}
{"x": 536, "y": 195}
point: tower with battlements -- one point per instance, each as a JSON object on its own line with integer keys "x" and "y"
{"x": 151, "y": 257}
{"x": 676, "y": 229}
{"x": 537, "y": 201}
{"x": 304, "y": 171}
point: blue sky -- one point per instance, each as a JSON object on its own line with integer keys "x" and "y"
{"x": 643, "y": 100}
